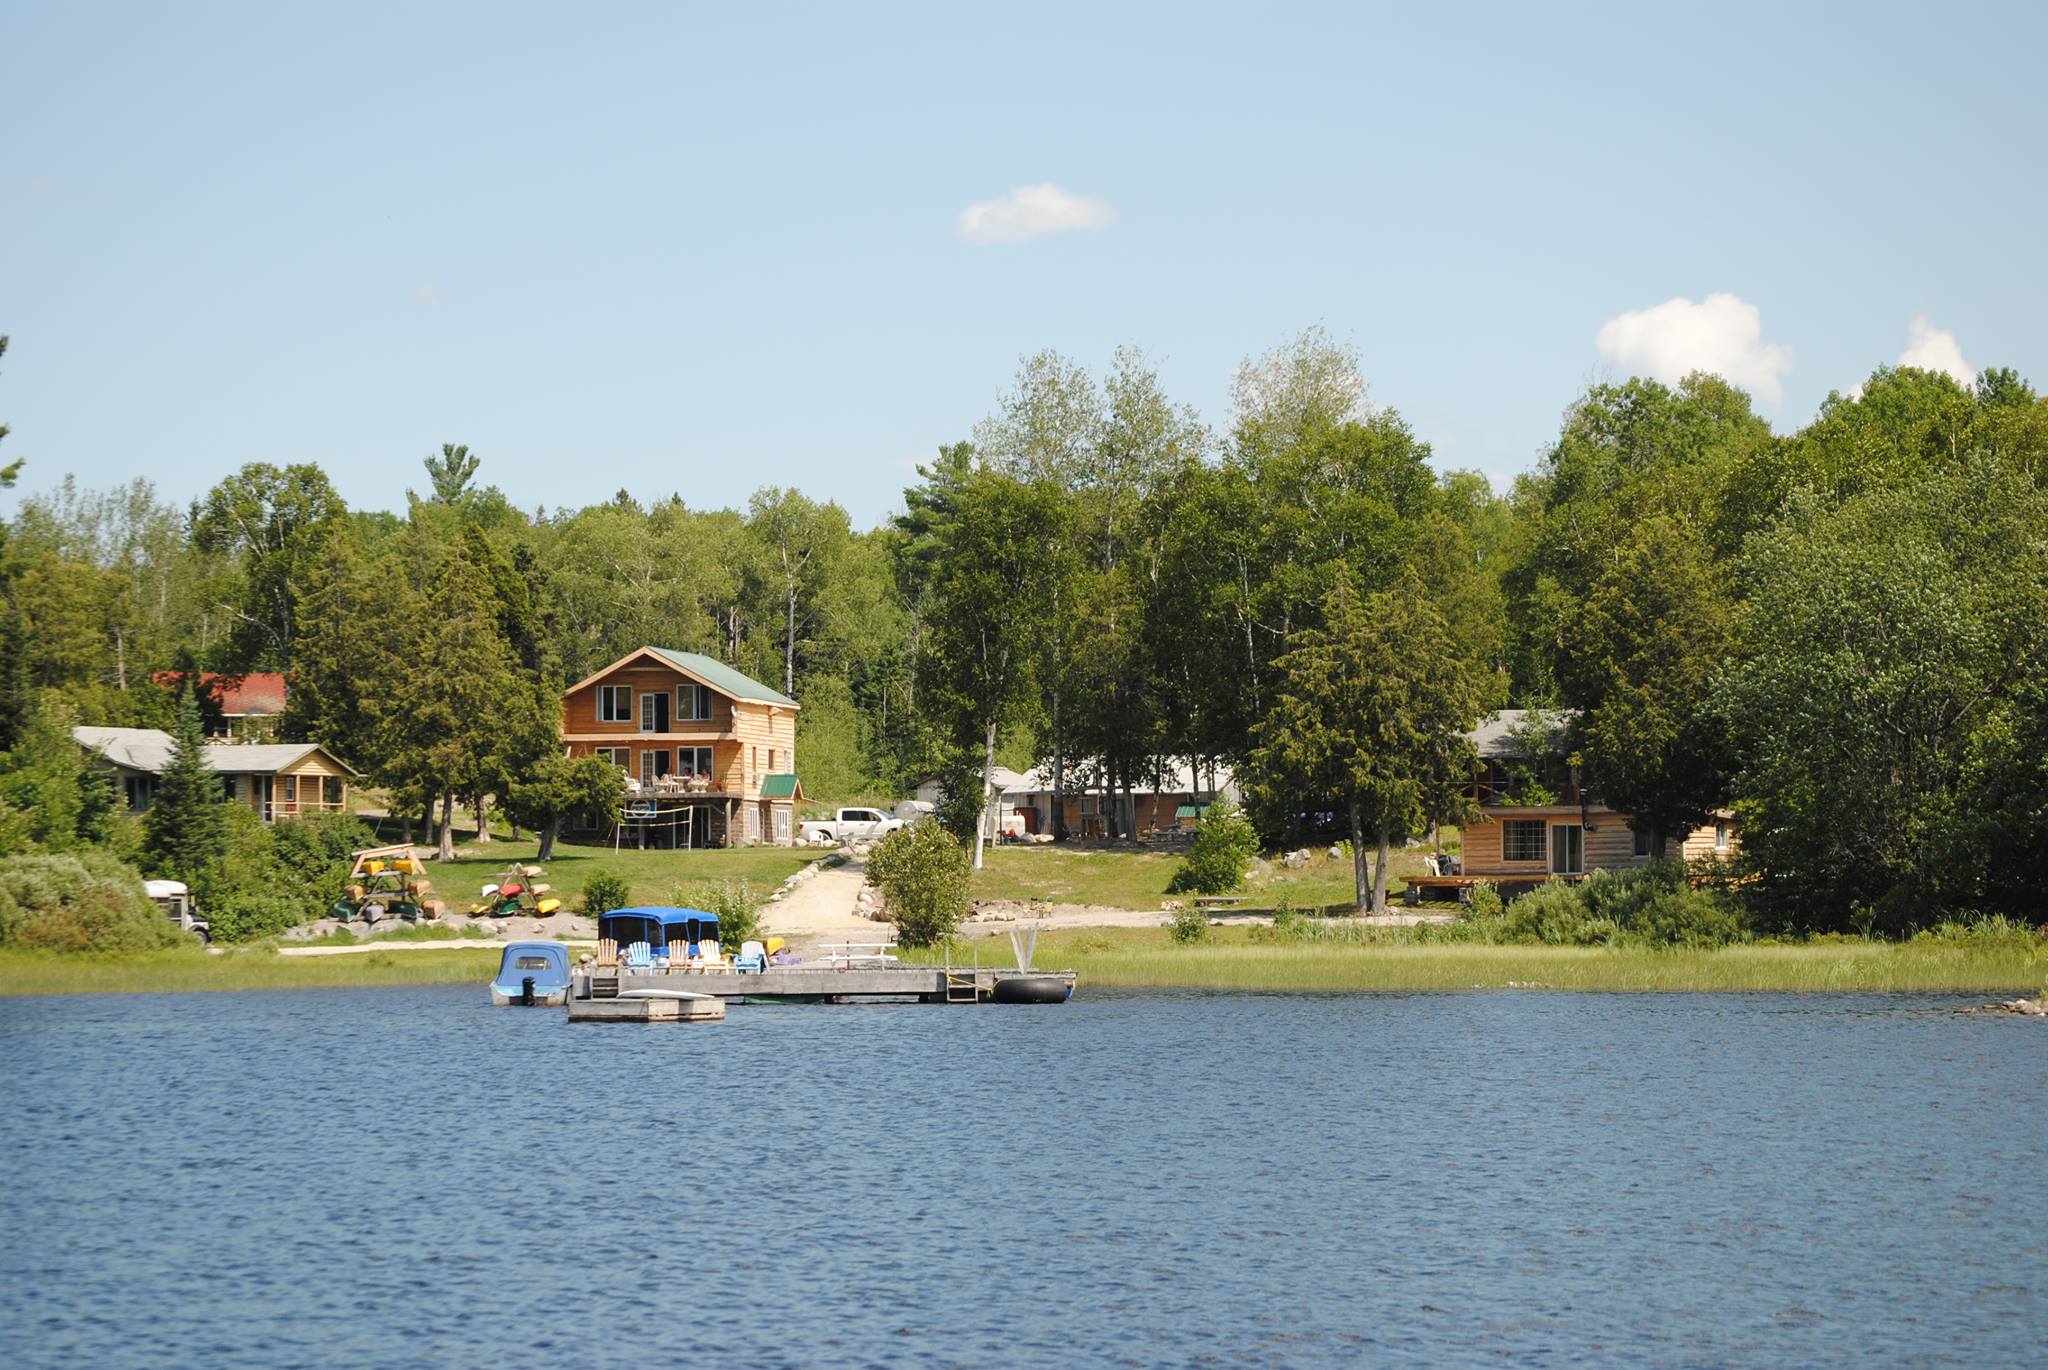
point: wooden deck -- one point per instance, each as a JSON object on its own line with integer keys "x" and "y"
{"x": 818, "y": 984}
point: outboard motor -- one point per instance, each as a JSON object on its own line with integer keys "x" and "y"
{"x": 526, "y": 992}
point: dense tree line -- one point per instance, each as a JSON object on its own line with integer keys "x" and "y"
{"x": 1840, "y": 631}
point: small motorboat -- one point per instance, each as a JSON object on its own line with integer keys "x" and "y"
{"x": 532, "y": 973}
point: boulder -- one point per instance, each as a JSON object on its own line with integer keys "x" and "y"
{"x": 1295, "y": 860}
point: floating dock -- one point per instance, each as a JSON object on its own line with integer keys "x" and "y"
{"x": 663, "y": 1005}
{"x": 826, "y": 984}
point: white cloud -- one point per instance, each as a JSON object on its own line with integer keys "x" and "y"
{"x": 1029, "y": 211}
{"x": 1936, "y": 349}
{"x": 1721, "y": 334}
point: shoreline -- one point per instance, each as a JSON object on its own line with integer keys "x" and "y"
{"x": 1234, "y": 959}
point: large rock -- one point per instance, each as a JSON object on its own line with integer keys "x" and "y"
{"x": 1295, "y": 860}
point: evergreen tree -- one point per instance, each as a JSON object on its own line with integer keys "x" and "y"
{"x": 185, "y": 831}
{"x": 447, "y": 721}
{"x": 1370, "y": 722}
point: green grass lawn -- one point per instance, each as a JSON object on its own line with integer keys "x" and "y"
{"x": 656, "y": 876}
{"x": 1122, "y": 879}
{"x": 1232, "y": 959}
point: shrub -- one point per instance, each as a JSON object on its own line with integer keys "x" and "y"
{"x": 314, "y": 854}
{"x": 86, "y": 902}
{"x": 1190, "y": 925}
{"x": 1483, "y": 902}
{"x": 242, "y": 916}
{"x": 1291, "y": 924}
{"x": 605, "y": 891}
{"x": 922, "y": 872}
{"x": 1224, "y": 845}
{"x": 1555, "y": 914}
{"x": 739, "y": 917}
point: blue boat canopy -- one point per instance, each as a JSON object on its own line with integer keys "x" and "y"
{"x": 639, "y": 924}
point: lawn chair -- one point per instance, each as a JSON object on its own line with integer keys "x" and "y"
{"x": 709, "y": 957}
{"x": 753, "y": 957}
{"x": 607, "y": 955}
{"x": 639, "y": 957}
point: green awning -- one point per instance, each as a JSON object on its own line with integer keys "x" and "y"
{"x": 781, "y": 787}
{"x": 1191, "y": 811}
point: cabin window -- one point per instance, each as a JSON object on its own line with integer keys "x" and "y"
{"x": 1720, "y": 837}
{"x": 227, "y": 787}
{"x": 1642, "y": 842}
{"x": 653, "y": 764}
{"x": 693, "y": 760}
{"x": 693, "y": 703}
{"x": 1524, "y": 839}
{"x": 618, "y": 756}
{"x": 615, "y": 703}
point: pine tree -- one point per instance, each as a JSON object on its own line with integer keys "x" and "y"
{"x": 1370, "y": 722}
{"x": 447, "y": 721}
{"x": 185, "y": 831}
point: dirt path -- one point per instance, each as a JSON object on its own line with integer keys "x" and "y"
{"x": 822, "y": 906}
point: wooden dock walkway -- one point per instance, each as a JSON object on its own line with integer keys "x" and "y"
{"x": 821, "y": 984}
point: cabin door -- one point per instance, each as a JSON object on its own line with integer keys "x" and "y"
{"x": 1567, "y": 849}
{"x": 654, "y": 711}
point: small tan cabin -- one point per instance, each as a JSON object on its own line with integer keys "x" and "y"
{"x": 276, "y": 779}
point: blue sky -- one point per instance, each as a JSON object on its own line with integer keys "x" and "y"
{"x": 700, "y": 252}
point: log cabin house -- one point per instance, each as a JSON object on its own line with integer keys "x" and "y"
{"x": 1516, "y": 845}
{"x": 709, "y": 753}
{"x": 276, "y": 779}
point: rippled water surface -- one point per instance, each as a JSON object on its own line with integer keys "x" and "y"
{"x": 391, "y": 1177}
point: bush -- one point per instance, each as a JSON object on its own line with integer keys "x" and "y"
{"x": 1291, "y": 924}
{"x": 922, "y": 872}
{"x": 1224, "y": 845}
{"x": 242, "y": 916}
{"x": 1483, "y": 902}
{"x": 1655, "y": 905}
{"x": 739, "y": 917}
{"x": 1190, "y": 925}
{"x": 605, "y": 891}
{"x": 314, "y": 854}
{"x": 86, "y": 902}
{"x": 1555, "y": 914}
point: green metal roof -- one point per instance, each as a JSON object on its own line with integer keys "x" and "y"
{"x": 1191, "y": 811}
{"x": 778, "y": 786}
{"x": 723, "y": 678}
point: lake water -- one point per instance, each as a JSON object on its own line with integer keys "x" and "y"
{"x": 397, "y": 1177}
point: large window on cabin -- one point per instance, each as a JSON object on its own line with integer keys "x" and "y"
{"x": 693, "y": 760}
{"x": 693, "y": 703}
{"x": 1525, "y": 839}
{"x": 622, "y": 757}
{"x": 615, "y": 703}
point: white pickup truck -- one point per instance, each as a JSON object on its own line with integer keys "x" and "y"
{"x": 850, "y": 825}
